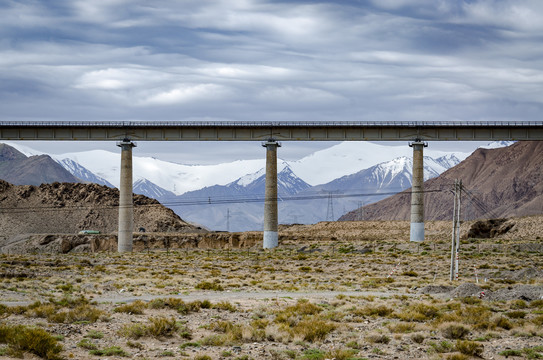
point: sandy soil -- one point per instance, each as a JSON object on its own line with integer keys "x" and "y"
{"x": 379, "y": 296}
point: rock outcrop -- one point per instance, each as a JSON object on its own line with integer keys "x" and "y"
{"x": 67, "y": 208}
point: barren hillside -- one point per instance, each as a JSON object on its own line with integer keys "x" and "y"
{"x": 19, "y": 169}
{"x": 66, "y": 208}
{"x": 505, "y": 182}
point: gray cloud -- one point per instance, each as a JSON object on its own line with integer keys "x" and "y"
{"x": 264, "y": 60}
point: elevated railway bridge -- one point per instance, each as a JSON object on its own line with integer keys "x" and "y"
{"x": 417, "y": 133}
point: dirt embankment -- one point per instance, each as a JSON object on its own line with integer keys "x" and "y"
{"x": 65, "y": 243}
{"x": 67, "y": 208}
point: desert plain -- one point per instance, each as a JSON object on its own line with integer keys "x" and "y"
{"x": 333, "y": 290}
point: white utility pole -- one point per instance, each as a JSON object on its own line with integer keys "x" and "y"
{"x": 455, "y": 241}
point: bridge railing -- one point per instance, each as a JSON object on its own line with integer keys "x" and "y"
{"x": 136, "y": 124}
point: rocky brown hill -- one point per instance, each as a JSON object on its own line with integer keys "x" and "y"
{"x": 16, "y": 168}
{"x": 67, "y": 208}
{"x": 504, "y": 182}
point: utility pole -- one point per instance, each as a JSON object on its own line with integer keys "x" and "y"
{"x": 455, "y": 240}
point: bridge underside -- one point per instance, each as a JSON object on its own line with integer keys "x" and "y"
{"x": 314, "y": 131}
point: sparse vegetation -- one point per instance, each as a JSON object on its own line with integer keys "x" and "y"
{"x": 367, "y": 314}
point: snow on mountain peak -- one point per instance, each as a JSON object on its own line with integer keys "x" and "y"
{"x": 250, "y": 178}
{"x": 497, "y": 144}
{"x": 350, "y": 157}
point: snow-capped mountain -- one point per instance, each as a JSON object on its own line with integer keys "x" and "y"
{"x": 353, "y": 168}
{"x": 172, "y": 177}
{"x": 497, "y": 144}
{"x": 318, "y": 168}
{"x": 242, "y": 200}
{"x": 147, "y": 188}
{"x": 81, "y": 172}
{"x": 350, "y": 157}
{"x": 250, "y": 186}
{"x": 392, "y": 176}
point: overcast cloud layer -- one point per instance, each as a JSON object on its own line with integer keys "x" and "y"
{"x": 271, "y": 60}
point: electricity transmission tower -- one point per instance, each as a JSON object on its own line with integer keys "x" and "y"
{"x": 228, "y": 216}
{"x": 360, "y": 214}
{"x": 330, "y": 209}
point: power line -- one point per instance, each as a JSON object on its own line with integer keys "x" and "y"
{"x": 479, "y": 203}
{"x": 195, "y": 201}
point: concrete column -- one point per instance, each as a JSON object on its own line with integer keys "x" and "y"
{"x": 126, "y": 205}
{"x": 417, "y": 192}
{"x": 270, "y": 198}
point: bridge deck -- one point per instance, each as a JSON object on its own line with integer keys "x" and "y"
{"x": 261, "y": 131}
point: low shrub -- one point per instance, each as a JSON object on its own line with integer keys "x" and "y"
{"x": 20, "y": 338}
{"x": 378, "y": 339}
{"x": 417, "y": 338}
{"x": 470, "y": 348}
{"x": 510, "y": 352}
{"x": 94, "y": 334}
{"x": 419, "y": 312}
{"x": 314, "y": 354}
{"x": 178, "y": 304}
{"x": 135, "y": 308}
{"x": 133, "y": 331}
{"x": 503, "y": 322}
{"x": 162, "y": 327}
{"x": 454, "y": 331}
{"x": 442, "y": 346}
{"x": 538, "y": 320}
{"x": 110, "y": 351}
{"x": 380, "y": 310}
{"x": 189, "y": 344}
{"x": 457, "y": 357}
{"x": 225, "y": 305}
{"x": 87, "y": 344}
{"x": 158, "y": 327}
{"x": 206, "y": 285}
{"x": 313, "y": 329}
{"x": 135, "y": 345}
{"x": 477, "y": 316}
{"x": 401, "y": 327}
{"x": 410, "y": 273}
{"x": 203, "y": 357}
{"x": 517, "y": 314}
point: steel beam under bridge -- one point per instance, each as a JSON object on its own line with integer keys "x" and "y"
{"x": 281, "y": 130}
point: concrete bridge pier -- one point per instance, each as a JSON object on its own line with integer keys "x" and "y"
{"x": 417, "y": 192}
{"x": 271, "y": 238}
{"x": 126, "y": 204}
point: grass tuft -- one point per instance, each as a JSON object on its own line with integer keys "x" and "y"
{"x": 470, "y": 348}
{"x": 20, "y": 338}
{"x": 135, "y": 308}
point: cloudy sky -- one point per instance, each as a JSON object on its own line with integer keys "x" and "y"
{"x": 269, "y": 60}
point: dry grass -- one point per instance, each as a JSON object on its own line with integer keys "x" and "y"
{"x": 276, "y": 304}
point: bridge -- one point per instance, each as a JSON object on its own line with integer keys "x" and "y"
{"x": 279, "y": 130}
{"x": 125, "y": 132}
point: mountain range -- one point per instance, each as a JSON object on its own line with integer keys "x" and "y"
{"x": 18, "y": 169}
{"x": 229, "y": 196}
{"x": 497, "y": 182}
